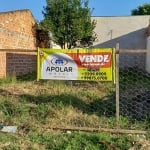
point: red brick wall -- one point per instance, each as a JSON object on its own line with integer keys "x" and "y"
{"x": 17, "y": 42}
{"x": 17, "y": 62}
{"x": 20, "y": 62}
{"x": 17, "y": 30}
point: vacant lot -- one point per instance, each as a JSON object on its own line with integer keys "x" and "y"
{"x": 36, "y": 107}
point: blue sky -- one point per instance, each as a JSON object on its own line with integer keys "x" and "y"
{"x": 101, "y": 7}
{"x": 115, "y": 7}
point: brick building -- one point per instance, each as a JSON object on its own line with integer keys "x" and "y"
{"x": 17, "y": 30}
{"x": 17, "y": 42}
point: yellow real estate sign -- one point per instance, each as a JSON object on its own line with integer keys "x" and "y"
{"x": 76, "y": 64}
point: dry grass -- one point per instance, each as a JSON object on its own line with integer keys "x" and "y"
{"x": 33, "y": 106}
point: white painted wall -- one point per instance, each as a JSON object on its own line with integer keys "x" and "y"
{"x": 129, "y": 31}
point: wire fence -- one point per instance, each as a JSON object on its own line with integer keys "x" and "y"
{"x": 125, "y": 106}
{"x": 134, "y": 91}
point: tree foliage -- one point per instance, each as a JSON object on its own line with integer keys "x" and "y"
{"x": 141, "y": 10}
{"x": 69, "y": 21}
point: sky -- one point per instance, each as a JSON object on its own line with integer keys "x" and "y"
{"x": 101, "y": 7}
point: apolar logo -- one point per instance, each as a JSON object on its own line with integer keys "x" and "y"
{"x": 59, "y": 66}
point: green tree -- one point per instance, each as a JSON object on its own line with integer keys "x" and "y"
{"x": 141, "y": 10}
{"x": 69, "y": 21}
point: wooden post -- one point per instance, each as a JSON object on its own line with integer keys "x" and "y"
{"x": 117, "y": 86}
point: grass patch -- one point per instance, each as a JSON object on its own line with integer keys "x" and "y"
{"x": 33, "y": 106}
{"x": 64, "y": 141}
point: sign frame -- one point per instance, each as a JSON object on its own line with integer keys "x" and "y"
{"x": 95, "y": 64}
